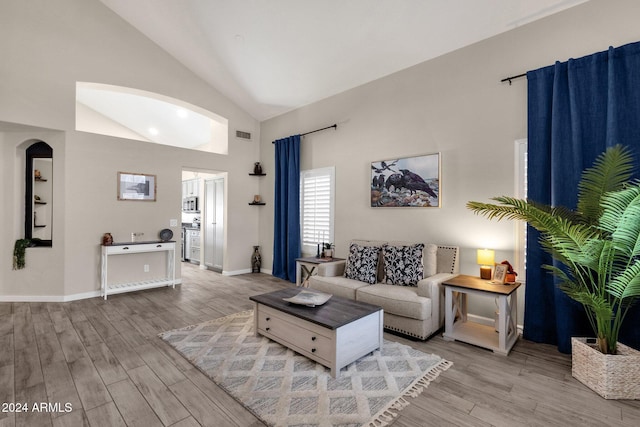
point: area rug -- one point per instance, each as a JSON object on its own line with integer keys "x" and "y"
{"x": 284, "y": 388}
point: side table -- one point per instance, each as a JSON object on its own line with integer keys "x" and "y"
{"x": 306, "y": 267}
{"x": 457, "y": 327}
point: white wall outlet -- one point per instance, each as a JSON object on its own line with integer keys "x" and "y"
{"x": 173, "y": 223}
{"x": 146, "y": 268}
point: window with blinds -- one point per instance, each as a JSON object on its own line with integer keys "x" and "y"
{"x": 316, "y": 207}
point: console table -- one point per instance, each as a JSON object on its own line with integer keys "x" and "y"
{"x": 457, "y": 327}
{"x": 136, "y": 248}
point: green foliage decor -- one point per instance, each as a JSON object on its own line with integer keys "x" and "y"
{"x": 598, "y": 243}
{"x": 19, "y": 250}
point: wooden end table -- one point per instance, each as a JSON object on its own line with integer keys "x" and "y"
{"x": 306, "y": 267}
{"x": 457, "y": 327}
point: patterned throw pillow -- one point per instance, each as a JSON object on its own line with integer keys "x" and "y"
{"x": 403, "y": 264}
{"x": 362, "y": 263}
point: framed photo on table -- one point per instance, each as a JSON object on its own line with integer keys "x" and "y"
{"x": 136, "y": 186}
{"x": 500, "y": 273}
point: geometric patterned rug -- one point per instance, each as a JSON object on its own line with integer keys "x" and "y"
{"x": 284, "y": 388}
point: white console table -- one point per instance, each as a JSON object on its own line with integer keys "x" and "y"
{"x": 136, "y": 248}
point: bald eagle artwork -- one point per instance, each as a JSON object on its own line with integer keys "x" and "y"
{"x": 406, "y": 182}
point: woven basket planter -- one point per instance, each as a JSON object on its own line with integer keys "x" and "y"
{"x": 612, "y": 376}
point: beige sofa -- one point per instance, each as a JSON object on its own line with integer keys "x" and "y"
{"x": 416, "y": 311}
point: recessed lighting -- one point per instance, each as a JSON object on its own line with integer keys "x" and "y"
{"x": 181, "y": 112}
{"x": 153, "y": 131}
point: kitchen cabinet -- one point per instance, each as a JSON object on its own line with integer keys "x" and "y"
{"x": 212, "y": 223}
{"x": 190, "y": 188}
{"x": 192, "y": 251}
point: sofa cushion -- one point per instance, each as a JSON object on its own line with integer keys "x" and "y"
{"x": 336, "y": 285}
{"x": 376, "y": 243}
{"x": 362, "y": 263}
{"x": 403, "y": 264}
{"x": 399, "y": 300}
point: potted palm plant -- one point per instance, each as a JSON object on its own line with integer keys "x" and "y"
{"x": 598, "y": 245}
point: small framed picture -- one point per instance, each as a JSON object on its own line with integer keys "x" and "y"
{"x": 136, "y": 186}
{"x": 500, "y": 273}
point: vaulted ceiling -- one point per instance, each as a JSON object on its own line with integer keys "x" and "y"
{"x": 272, "y": 56}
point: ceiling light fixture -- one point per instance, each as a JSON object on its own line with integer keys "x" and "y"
{"x": 153, "y": 131}
{"x": 182, "y": 113}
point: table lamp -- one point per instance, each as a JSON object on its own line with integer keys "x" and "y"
{"x": 486, "y": 258}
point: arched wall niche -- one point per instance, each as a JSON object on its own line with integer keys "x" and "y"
{"x": 38, "y": 184}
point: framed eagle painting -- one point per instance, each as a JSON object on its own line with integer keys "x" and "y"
{"x": 406, "y": 182}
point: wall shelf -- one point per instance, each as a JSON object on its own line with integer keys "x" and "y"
{"x": 257, "y": 204}
{"x": 257, "y": 174}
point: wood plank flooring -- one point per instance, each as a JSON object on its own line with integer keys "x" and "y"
{"x": 100, "y": 363}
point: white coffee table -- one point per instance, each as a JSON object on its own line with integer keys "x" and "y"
{"x": 334, "y": 334}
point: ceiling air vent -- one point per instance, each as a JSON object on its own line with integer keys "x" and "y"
{"x": 243, "y": 135}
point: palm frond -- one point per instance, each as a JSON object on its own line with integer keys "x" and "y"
{"x": 610, "y": 172}
{"x": 627, "y": 283}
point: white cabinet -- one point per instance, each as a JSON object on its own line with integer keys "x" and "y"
{"x": 190, "y": 188}
{"x": 212, "y": 223}
{"x": 193, "y": 246}
{"x": 119, "y": 249}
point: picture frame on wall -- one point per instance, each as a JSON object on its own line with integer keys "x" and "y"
{"x": 500, "y": 273}
{"x": 406, "y": 182}
{"x": 136, "y": 186}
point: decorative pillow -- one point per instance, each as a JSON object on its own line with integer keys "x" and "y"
{"x": 362, "y": 263}
{"x": 403, "y": 264}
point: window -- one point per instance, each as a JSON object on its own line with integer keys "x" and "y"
{"x": 521, "y": 193}
{"x": 317, "y": 189}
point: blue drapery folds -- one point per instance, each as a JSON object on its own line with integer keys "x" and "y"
{"x": 576, "y": 110}
{"x": 286, "y": 230}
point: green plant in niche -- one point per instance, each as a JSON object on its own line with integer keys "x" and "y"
{"x": 598, "y": 243}
{"x": 19, "y": 251}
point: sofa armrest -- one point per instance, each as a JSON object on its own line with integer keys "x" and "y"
{"x": 431, "y": 287}
{"x": 332, "y": 268}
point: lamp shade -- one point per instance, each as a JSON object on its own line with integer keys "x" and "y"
{"x": 486, "y": 257}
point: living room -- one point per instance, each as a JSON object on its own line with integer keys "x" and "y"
{"x": 454, "y": 104}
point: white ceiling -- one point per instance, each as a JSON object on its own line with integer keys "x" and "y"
{"x": 272, "y": 56}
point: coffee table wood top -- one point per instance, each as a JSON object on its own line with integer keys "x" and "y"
{"x": 333, "y": 314}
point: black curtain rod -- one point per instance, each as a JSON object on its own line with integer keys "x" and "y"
{"x": 335, "y": 126}
{"x": 508, "y": 79}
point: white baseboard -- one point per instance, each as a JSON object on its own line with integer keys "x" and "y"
{"x": 49, "y": 298}
{"x": 236, "y": 272}
{"x": 55, "y": 298}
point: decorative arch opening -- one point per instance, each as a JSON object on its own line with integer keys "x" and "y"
{"x": 38, "y": 221}
{"x": 146, "y": 116}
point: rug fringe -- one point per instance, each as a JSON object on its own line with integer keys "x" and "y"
{"x": 387, "y": 415}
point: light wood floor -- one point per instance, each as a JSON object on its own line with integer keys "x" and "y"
{"x": 101, "y": 364}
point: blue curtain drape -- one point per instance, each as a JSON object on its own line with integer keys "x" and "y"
{"x": 286, "y": 234}
{"x": 576, "y": 110}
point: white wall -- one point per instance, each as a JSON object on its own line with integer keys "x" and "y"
{"x": 45, "y": 47}
{"x": 454, "y": 105}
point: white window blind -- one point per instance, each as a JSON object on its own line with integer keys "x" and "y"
{"x": 316, "y": 207}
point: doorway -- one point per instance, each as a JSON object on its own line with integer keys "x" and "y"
{"x": 203, "y": 218}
